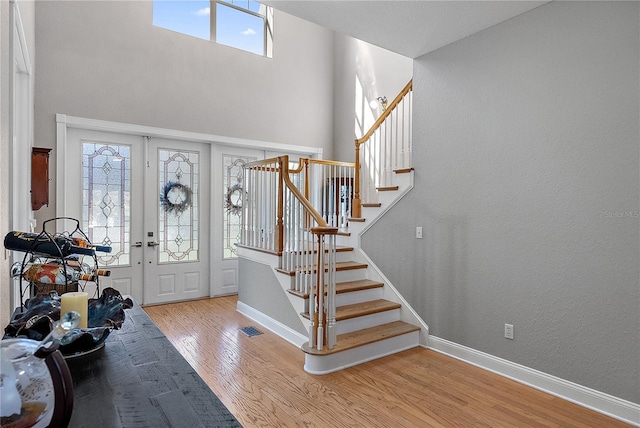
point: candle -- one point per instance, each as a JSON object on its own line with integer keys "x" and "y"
{"x": 75, "y": 301}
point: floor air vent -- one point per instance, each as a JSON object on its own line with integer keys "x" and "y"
{"x": 250, "y": 331}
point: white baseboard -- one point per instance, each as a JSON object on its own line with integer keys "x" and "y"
{"x": 600, "y": 402}
{"x": 277, "y": 327}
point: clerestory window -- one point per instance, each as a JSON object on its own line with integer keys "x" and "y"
{"x": 242, "y": 24}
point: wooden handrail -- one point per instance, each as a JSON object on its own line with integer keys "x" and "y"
{"x": 263, "y": 165}
{"x": 306, "y": 161}
{"x": 408, "y": 87}
{"x": 356, "y": 210}
{"x": 304, "y": 201}
{"x": 330, "y": 162}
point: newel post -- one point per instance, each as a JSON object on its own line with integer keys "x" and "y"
{"x": 323, "y": 318}
{"x": 356, "y": 208}
{"x": 320, "y": 319}
{"x": 282, "y": 169}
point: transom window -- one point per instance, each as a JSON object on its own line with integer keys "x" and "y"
{"x": 242, "y": 24}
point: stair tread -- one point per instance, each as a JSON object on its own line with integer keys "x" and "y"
{"x": 350, "y": 265}
{"x": 372, "y": 205}
{"x": 346, "y": 287}
{"x": 365, "y": 308}
{"x": 361, "y": 309}
{"x": 357, "y": 285}
{"x": 402, "y": 170}
{"x": 387, "y": 189}
{"x": 357, "y": 219}
{"x": 364, "y": 337}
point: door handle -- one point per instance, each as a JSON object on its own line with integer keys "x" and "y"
{"x": 137, "y": 244}
{"x": 152, "y": 244}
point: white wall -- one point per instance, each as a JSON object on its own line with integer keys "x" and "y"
{"x": 15, "y": 201}
{"x": 527, "y": 185}
{"x": 104, "y": 60}
{"x": 5, "y": 305}
{"x": 362, "y": 73}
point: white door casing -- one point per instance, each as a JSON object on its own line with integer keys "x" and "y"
{"x": 20, "y": 133}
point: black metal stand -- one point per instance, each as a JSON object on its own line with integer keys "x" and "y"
{"x": 31, "y": 255}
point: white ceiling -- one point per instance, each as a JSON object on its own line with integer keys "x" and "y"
{"x": 411, "y": 28}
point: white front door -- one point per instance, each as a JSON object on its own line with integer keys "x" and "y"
{"x": 116, "y": 195}
{"x": 177, "y": 211}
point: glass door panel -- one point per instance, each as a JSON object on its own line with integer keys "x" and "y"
{"x": 178, "y": 173}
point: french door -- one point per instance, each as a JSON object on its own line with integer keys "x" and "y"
{"x": 148, "y": 199}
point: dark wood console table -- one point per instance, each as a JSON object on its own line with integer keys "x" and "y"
{"x": 138, "y": 380}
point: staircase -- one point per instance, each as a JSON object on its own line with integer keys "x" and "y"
{"x": 368, "y": 326}
{"x": 353, "y": 312}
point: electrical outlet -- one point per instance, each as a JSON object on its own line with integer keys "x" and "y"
{"x": 419, "y": 232}
{"x": 508, "y": 331}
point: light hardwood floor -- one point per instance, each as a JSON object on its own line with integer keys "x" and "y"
{"x": 262, "y": 381}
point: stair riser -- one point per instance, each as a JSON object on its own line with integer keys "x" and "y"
{"x": 344, "y": 241}
{"x": 350, "y": 298}
{"x": 301, "y": 306}
{"x": 344, "y": 256}
{"x": 359, "y": 296}
{"x": 330, "y": 363}
{"x": 351, "y": 275}
{"x": 341, "y": 275}
{"x": 366, "y": 321}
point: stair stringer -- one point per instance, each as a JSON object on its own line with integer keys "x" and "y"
{"x": 357, "y": 229}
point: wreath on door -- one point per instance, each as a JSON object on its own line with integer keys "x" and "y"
{"x": 176, "y": 197}
{"x": 234, "y": 199}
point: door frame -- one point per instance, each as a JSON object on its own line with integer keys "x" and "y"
{"x": 64, "y": 122}
{"x": 20, "y": 131}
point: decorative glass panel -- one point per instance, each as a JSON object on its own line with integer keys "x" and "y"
{"x": 178, "y": 215}
{"x": 235, "y": 196}
{"x": 106, "y": 196}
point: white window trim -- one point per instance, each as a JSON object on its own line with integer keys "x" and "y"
{"x": 267, "y": 32}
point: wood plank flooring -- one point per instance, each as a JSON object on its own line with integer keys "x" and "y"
{"x": 262, "y": 382}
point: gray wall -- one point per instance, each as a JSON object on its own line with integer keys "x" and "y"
{"x": 261, "y": 290}
{"x": 105, "y": 60}
{"x": 527, "y": 180}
